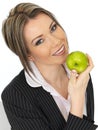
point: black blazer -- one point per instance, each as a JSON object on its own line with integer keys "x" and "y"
{"x": 29, "y": 108}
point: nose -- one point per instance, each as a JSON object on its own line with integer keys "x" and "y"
{"x": 53, "y": 40}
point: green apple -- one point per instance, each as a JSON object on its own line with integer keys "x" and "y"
{"x": 77, "y": 60}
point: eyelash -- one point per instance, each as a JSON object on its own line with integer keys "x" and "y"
{"x": 39, "y": 42}
{"x": 53, "y": 28}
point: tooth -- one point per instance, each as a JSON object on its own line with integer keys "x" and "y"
{"x": 60, "y": 50}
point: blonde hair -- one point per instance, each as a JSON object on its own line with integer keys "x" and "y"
{"x": 13, "y": 29}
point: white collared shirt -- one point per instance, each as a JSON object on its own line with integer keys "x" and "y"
{"x": 35, "y": 79}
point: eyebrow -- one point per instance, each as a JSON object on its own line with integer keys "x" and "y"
{"x": 42, "y": 34}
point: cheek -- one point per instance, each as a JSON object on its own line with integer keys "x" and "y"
{"x": 62, "y": 36}
{"x": 41, "y": 53}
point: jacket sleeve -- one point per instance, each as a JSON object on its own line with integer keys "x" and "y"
{"x": 76, "y": 123}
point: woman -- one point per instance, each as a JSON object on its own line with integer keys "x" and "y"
{"x": 44, "y": 96}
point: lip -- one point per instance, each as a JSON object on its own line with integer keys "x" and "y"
{"x": 60, "y": 51}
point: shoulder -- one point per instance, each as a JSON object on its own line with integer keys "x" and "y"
{"x": 10, "y": 90}
{"x": 18, "y": 90}
{"x": 16, "y": 81}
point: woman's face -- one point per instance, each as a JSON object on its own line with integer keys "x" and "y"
{"x": 46, "y": 41}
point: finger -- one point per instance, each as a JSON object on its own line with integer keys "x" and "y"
{"x": 73, "y": 76}
{"x": 90, "y": 64}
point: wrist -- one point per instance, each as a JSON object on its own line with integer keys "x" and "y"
{"x": 77, "y": 111}
{"x": 77, "y": 107}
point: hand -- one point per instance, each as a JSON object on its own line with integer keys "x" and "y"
{"x": 77, "y": 88}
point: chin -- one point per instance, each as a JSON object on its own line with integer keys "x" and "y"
{"x": 63, "y": 61}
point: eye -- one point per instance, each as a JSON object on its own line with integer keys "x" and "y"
{"x": 39, "y": 42}
{"x": 54, "y": 27}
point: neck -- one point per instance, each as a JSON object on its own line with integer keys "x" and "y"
{"x": 52, "y": 74}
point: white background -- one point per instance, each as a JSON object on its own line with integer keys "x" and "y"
{"x": 79, "y": 18}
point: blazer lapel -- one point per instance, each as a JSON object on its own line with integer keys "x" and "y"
{"x": 50, "y": 109}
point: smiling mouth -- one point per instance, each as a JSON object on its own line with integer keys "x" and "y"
{"x": 60, "y": 51}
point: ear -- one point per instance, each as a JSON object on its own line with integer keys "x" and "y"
{"x": 30, "y": 58}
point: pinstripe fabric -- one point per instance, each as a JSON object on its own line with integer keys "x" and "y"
{"x": 90, "y": 101}
{"x": 29, "y": 108}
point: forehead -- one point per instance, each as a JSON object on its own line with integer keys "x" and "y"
{"x": 37, "y": 24}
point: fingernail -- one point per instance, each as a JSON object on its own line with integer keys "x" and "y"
{"x": 74, "y": 71}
